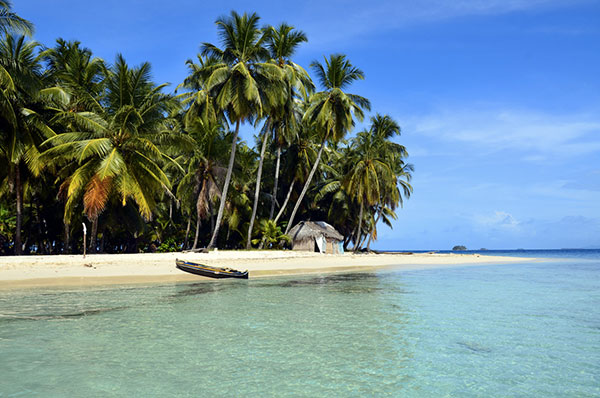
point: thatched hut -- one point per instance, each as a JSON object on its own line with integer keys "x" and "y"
{"x": 317, "y": 236}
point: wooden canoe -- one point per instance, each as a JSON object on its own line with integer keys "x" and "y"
{"x": 210, "y": 272}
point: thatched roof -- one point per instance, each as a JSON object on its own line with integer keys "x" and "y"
{"x": 313, "y": 229}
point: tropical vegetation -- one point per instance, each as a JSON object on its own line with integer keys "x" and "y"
{"x": 98, "y": 146}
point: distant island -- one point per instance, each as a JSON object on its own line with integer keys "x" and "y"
{"x": 459, "y": 248}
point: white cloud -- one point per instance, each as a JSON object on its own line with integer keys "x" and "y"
{"x": 498, "y": 219}
{"x": 391, "y": 14}
{"x": 537, "y": 135}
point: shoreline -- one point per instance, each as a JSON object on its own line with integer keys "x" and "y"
{"x": 115, "y": 269}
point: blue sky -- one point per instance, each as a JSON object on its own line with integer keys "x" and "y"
{"x": 499, "y": 100}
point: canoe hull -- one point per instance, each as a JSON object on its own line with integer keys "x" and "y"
{"x": 210, "y": 272}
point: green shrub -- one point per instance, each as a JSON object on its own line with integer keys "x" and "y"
{"x": 168, "y": 246}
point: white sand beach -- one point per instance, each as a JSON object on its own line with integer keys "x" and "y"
{"x": 99, "y": 269}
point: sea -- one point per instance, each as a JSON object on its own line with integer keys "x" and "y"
{"x": 526, "y": 329}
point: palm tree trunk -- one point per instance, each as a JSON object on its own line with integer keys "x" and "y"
{"x": 256, "y": 191}
{"x": 198, "y": 217}
{"x": 213, "y": 239}
{"x": 274, "y": 197}
{"x": 187, "y": 232}
{"x": 285, "y": 202}
{"x": 306, "y": 185}
{"x": 363, "y": 237}
{"x": 41, "y": 249}
{"x": 67, "y": 243}
{"x": 358, "y": 230}
{"x": 197, "y": 233}
{"x": 25, "y": 245}
{"x": 19, "y": 188}
{"x": 93, "y": 235}
{"x": 373, "y": 231}
{"x": 347, "y": 242}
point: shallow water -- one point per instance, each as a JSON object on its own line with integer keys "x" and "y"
{"x": 516, "y": 330}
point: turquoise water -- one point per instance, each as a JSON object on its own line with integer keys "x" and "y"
{"x": 519, "y": 330}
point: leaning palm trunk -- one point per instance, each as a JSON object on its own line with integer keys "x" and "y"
{"x": 256, "y": 191}
{"x": 373, "y": 231}
{"x": 212, "y": 218}
{"x": 347, "y": 240}
{"x": 359, "y": 229}
{"x": 363, "y": 237}
{"x": 197, "y": 233}
{"x": 275, "y": 185}
{"x": 283, "y": 206}
{"x": 305, "y": 189}
{"x": 285, "y": 202}
{"x": 213, "y": 239}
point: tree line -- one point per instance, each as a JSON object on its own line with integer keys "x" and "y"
{"x": 86, "y": 141}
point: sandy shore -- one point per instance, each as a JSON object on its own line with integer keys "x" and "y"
{"x": 99, "y": 269}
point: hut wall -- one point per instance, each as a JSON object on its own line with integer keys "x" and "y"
{"x": 332, "y": 246}
{"x": 310, "y": 246}
{"x": 304, "y": 245}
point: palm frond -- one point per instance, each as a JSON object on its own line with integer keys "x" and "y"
{"x": 96, "y": 196}
{"x": 12, "y": 23}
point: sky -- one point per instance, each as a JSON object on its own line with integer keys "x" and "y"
{"x": 498, "y": 100}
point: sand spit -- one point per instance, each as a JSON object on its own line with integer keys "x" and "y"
{"x": 100, "y": 269}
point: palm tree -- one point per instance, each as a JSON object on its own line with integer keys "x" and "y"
{"x": 239, "y": 205}
{"x": 393, "y": 194}
{"x": 119, "y": 151}
{"x": 332, "y": 111}
{"x": 205, "y": 124}
{"x": 368, "y": 176}
{"x": 265, "y": 139}
{"x": 391, "y": 197}
{"x": 201, "y": 182}
{"x": 299, "y": 158}
{"x": 284, "y": 120}
{"x": 199, "y": 96}
{"x": 22, "y": 127}
{"x": 81, "y": 75}
{"x": 244, "y": 86}
{"x": 80, "y": 80}
{"x": 378, "y": 168}
{"x": 11, "y": 22}
{"x": 331, "y": 196}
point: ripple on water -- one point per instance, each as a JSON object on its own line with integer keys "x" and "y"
{"x": 518, "y": 330}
